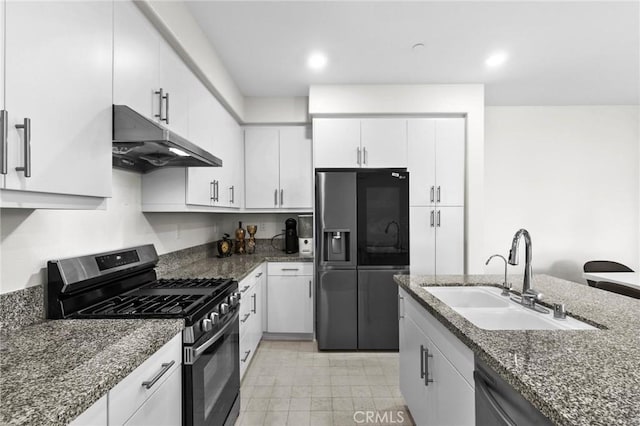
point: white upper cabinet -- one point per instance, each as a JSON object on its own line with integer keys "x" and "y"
{"x": 58, "y": 74}
{"x": 136, "y": 60}
{"x": 174, "y": 82}
{"x": 354, "y": 142}
{"x": 384, "y": 142}
{"x": 278, "y": 168}
{"x": 436, "y": 161}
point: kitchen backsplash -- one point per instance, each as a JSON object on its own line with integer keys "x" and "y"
{"x": 26, "y": 306}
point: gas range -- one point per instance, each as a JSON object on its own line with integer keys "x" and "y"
{"x": 124, "y": 284}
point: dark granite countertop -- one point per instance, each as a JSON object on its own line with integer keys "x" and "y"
{"x": 235, "y": 266}
{"x": 53, "y": 371}
{"x": 574, "y": 377}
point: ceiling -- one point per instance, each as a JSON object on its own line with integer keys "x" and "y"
{"x": 559, "y": 53}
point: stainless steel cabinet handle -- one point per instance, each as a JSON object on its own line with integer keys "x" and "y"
{"x": 246, "y": 356}
{"x": 358, "y": 157}
{"x": 431, "y": 222}
{"x": 211, "y": 197}
{"x": 26, "y": 126}
{"x": 165, "y": 367}
{"x": 216, "y": 189}
{"x": 310, "y": 294}
{"x": 246, "y": 317}
{"x": 400, "y": 305}
{"x": 289, "y": 269}
{"x": 422, "y": 349}
{"x": 166, "y": 109}
{"x": 259, "y": 275}
{"x": 4, "y": 135}
{"x": 438, "y": 194}
{"x": 232, "y": 192}
{"x": 275, "y": 197}
{"x": 255, "y": 298}
{"x": 364, "y": 151}
{"x": 245, "y": 288}
{"x": 431, "y": 194}
{"x": 438, "y": 219}
{"x": 281, "y": 197}
{"x": 427, "y": 355}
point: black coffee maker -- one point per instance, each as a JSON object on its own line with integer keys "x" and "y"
{"x": 291, "y": 236}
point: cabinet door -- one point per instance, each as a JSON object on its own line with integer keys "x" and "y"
{"x": 96, "y": 415}
{"x": 336, "y": 142}
{"x": 136, "y": 46}
{"x": 421, "y": 133}
{"x": 235, "y": 171}
{"x": 296, "y": 168}
{"x": 290, "y": 304}
{"x": 422, "y": 240}
{"x": 449, "y": 240}
{"x": 262, "y": 189}
{"x": 412, "y": 367}
{"x": 164, "y": 407}
{"x": 58, "y": 73}
{"x": 450, "y": 149}
{"x": 384, "y": 142}
{"x": 173, "y": 79}
{"x": 256, "y": 314}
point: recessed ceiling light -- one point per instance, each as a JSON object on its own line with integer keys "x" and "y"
{"x": 317, "y": 61}
{"x": 496, "y": 59}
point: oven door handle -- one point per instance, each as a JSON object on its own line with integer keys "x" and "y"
{"x": 191, "y": 354}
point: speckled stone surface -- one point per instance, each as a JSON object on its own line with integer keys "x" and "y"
{"x": 21, "y": 308}
{"x": 574, "y": 377}
{"x": 53, "y": 371}
{"x": 235, "y": 266}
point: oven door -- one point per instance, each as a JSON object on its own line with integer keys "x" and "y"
{"x": 212, "y": 378}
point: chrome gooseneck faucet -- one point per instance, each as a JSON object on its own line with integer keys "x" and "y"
{"x": 529, "y": 295}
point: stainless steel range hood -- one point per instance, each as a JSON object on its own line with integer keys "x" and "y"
{"x": 143, "y": 145}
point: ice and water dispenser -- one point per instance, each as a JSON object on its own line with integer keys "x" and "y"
{"x": 336, "y": 245}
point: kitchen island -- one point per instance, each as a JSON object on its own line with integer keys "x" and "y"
{"x": 574, "y": 377}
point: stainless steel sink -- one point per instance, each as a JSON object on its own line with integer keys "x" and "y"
{"x": 487, "y": 309}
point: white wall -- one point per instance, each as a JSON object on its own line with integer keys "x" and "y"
{"x": 31, "y": 237}
{"x": 267, "y": 110}
{"x": 570, "y": 176}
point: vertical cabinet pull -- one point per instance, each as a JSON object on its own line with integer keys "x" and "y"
{"x": 246, "y": 317}
{"x": 358, "y": 156}
{"x": 254, "y": 310}
{"x": 232, "y": 194}
{"x": 431, "y": 192}
{"x": 310, "y": 290}
{"x": 26, "y": 127}
{"x": 431, "y": 221}
{"x": 427, "y": 355}
{"x": 166, "y": 108}
{"x": 216, "y": 191}
{"x": 438, "y": 194}
{"x": 211, "y": 196}
{"x": 364, "y": 156}
{"x": 275, "y": 197}
{"x": 281, "y": 197}
{"x": 162, "y": 97}
{"x": 400, "y": 306}
{"x": 438, "y": 219}
{"x": 246, "y": 356}
{"x": 4, "y": 135}
{"x": 422, "y": 349}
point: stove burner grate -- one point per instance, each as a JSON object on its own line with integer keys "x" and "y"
{"x": 130, "y": 306}
{"x": 189, "y": 283}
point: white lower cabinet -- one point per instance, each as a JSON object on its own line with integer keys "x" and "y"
{"x": 436, "y": 240}
{"x": 96, "y": 415}
{"x": 251, "y": 291}
{"x": 436, "y": 369}
{"x": 290, "y": 297}
{"x": 153, "y": 389}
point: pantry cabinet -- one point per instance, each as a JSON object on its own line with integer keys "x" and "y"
{"x": 436, "y": 369}
{"x": 290, "y": 298}
{"x": 436, "y": 195}
{"x": 58, "y": 122}
{"x": 251, "y": 304}
{"x": 354, "y": 142}
{"x": 278, "y": 168}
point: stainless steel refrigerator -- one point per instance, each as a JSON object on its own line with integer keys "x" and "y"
{"x": 362, "y": 240}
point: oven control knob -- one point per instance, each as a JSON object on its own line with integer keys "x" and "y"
{"x": 206, "y": 325}
{"x": 224, "y": 308}
{"x": 214, "y": 317}
{"x": 233, "y": 299}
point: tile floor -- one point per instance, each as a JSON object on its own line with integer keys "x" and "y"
{"x": 291, "y": 383}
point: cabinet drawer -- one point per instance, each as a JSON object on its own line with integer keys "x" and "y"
{"x": 247, "y": 350}
{"x": 128, "y": 395}
{"x": 290, "y": 268}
